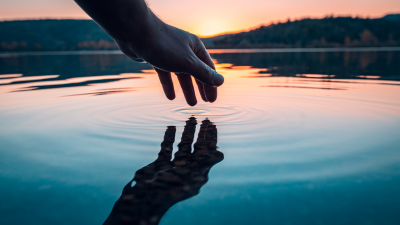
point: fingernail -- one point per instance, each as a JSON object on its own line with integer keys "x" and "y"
{"x": 218, "y": 79}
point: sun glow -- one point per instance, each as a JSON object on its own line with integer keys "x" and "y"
{"x": 212, "y": 27}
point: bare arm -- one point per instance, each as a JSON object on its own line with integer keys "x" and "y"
{"x": 142, "y": 36}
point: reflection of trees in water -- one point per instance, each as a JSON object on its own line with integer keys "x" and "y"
{"x": 70, "y": 66}
{"x": 338, "y": 64}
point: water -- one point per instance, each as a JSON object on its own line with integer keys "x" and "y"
{"x": 307, "y": 138}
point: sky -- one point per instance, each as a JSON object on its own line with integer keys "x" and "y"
{"x": 210, "y": 17}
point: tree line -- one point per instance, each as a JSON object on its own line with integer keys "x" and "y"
{"x": 313, "y": 33}
{"x": 67, "y": 35}
{"x": 53, "y": 35}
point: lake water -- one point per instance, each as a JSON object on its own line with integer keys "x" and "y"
{"x": 307, "y": 138}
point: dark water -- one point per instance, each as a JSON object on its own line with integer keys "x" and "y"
{"x": 306, "y": 138}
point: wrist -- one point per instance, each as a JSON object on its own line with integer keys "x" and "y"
{"x": 135, "y": 30}
{"x": 120, "y": 18}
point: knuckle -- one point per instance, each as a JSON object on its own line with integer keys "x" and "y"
{"x": 189, "y": 63}
{"x": 196, "y": 39}
{"x": 199, "y": 45}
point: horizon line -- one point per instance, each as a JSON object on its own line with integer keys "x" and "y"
{"x": 214, "y": 51}
{"x": 225, "y": 32}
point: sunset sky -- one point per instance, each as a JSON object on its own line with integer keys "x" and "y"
{"x": 208, "y": 17}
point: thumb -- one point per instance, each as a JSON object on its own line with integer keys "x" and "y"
{"x": 203, "y": 73}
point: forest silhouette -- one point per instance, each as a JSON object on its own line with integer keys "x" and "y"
{"x": 70, "y": 35}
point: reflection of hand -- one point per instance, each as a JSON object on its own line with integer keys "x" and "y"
{"x": 142, "y": 36}
{"x": 163, "y": 183}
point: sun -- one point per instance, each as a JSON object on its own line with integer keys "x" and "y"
{"x": 211, "y": 27}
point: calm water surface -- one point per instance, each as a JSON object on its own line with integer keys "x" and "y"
{"x": 307, "y": 137}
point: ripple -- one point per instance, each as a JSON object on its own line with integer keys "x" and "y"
{"x": 193, "y": 112}
{"x": 263, "y": 127}
{"x": 209, "y": 110}
{"x": 261, "y": 117}
{"x": 131, "y": 115}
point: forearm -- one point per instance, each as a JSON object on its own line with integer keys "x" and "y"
{"x": 143, "y": 37}
{"x": 120, "y": 18}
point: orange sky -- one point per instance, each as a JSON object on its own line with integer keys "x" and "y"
{"x": 208, "y": 17}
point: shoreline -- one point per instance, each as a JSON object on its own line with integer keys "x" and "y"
{"x": 211, "y": 51}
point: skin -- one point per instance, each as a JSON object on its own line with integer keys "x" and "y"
{"x": 142, "y": 36}
{"x": 163, "y": 183}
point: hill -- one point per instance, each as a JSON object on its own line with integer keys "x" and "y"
{"x": 60, "y": 35}
{"x": 326, "y": 32}
{"x": 53, "y": 35}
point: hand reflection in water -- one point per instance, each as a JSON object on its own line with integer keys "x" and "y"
{"x": 163, "y": 183}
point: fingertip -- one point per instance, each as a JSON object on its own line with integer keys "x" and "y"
{"x": 170, "y": 96}
{"x": 201, "y": 90}
{"x": 218, "y": 79}
{"x": 211, "y": 93}
{"x": 203, "y": 97}
{"x": 212, "y": 98}
{"x": 192, "y": 102}
{"x": 187, "y": 88}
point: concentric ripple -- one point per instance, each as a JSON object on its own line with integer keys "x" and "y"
{"x": 316, "y": 128}
{"x": 127, "y": 116}
{"x": 209, "y": 110}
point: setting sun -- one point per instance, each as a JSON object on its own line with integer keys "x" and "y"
{"x": 211, "y": 27}
{"x": 210, "y": 17}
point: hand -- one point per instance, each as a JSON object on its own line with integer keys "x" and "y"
{"x": 142, "y": 36}
{"x": 169, "y": 49}
{"x": 163, "y": 183}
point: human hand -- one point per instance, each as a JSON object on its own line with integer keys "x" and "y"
{"x": 142, "y": 36}
{"x": 169, "y": 49}
{"x": 163, "y": 183}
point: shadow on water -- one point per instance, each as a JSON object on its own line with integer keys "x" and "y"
{"x": 163, "y": 183}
